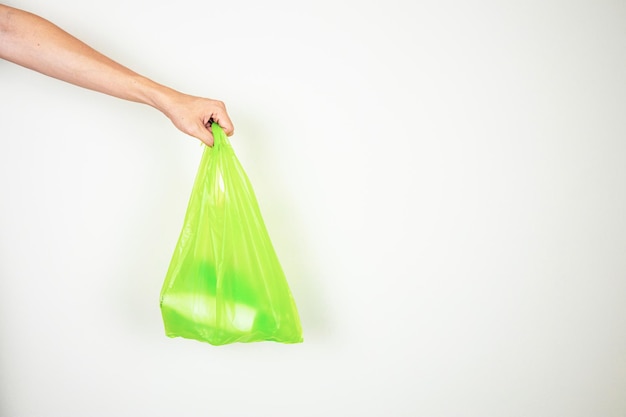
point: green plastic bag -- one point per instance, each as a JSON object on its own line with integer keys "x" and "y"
{"x": 225, "y": 283}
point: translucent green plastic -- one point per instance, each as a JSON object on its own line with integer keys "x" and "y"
{"x": 225, "y": 283}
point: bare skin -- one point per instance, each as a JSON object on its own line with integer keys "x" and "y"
{"x": 35, "y": 43}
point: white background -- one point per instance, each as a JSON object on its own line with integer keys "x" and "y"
{"x": 444, "y": 183}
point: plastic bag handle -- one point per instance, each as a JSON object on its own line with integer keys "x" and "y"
{"x": 219, "y": 137}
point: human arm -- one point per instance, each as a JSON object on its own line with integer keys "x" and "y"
{"x": 35, "y": 43}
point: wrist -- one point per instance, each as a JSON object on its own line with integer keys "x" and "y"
{"x": 153, "y": 94}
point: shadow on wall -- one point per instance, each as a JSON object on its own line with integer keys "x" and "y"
{"x": 4, "y": 348}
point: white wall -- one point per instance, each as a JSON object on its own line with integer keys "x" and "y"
{"x": 444, "y": 183}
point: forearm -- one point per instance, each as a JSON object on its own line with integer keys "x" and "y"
{"x": 33, "y": 42}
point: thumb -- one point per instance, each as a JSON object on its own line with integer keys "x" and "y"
{"x": 204, "y": 133}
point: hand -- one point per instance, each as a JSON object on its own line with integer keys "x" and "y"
{"x": 194, "y": 115}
